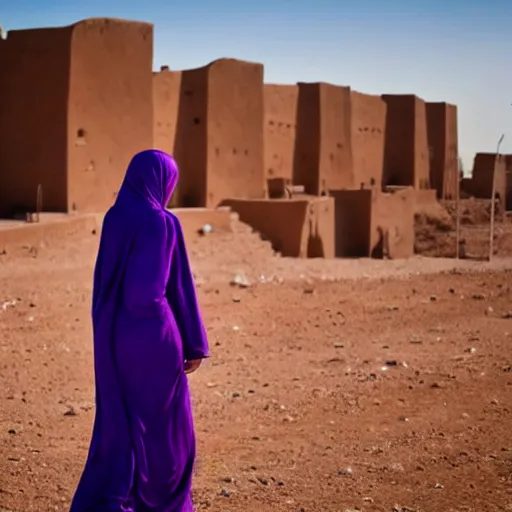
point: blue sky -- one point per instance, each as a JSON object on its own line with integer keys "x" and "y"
{"x": 453, "y": 50}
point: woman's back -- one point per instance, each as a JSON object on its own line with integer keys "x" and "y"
{"x": 143, "y": 446}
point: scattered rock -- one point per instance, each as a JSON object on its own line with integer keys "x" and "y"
{"x": 71, "y": 411}
{"x": 8, "y": 304}
{"x": 206, "y": 229}
{"x": 348, "y": 471}
{"x": 240, "y": 280}
{"x": 395, "y": 467}
{"x": 399, "y": 508}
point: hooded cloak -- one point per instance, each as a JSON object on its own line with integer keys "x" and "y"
{"x": 146, "y": 323}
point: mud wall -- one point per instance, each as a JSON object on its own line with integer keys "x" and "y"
{"x": 166, "y": 103}
{"x": 306, "y": 162}
{"x": 336, "y": 159}
{"x": 466, "y": 186}
{"x": 451, "y": 180}
{"x": 323, "y": 150}
{"x": 425, "y": 197}
{"x": 352, "y": 220}
{"x": 368, "y": 129}
{"x": 235, "y": 112}
{"x": 443, "y": 148}
{"x": 295, "y": 227}
{"x": 482, "y": 178}
{"x": 370, "y": 223}
{"x": 393, "y": 216}
{"x": 193, "y": 219}
{"x": 110, "y": 107}
{"x": 190, "y": 149}
{"x": 406, "y": 155}
{"x": 508, "y": 167}
{"x": 34, "y": 87}
{"x": 318, "y": 229}
{"x": 280, "y": 129}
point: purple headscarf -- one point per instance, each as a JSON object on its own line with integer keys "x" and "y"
{"x": 151, "y": 175}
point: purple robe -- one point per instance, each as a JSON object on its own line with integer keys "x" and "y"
{"x": 146, "y": 323}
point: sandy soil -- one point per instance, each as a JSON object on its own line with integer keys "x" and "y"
{"x": 333, "y": 386}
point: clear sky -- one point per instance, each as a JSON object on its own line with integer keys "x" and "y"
{"x": 459, "y": 51}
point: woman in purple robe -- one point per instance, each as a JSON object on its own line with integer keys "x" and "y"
{"x": 148, "y": 334}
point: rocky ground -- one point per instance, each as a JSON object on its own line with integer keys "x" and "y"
{"x": 436, "y": 235}
{"x": 333, "y": 386}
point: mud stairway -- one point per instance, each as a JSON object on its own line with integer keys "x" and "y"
{"x": 222, "y": 254}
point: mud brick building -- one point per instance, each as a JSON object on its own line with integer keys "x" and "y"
{"x": 482, "y": 177}
{"x": 323, "y": 151}
{"x": 406, "y": 155}
{"x": 217, "y": 130}
{"x": 443, "y": 148}
{"x": 75, "y": 105}
{"x": 280, "y": 122}
{"x": 368, "y": 128}
{"x": 369, "y": 223}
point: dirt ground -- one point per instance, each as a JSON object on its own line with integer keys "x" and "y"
{"x": 333, "y": 385}
{"x": 435, "y": 229}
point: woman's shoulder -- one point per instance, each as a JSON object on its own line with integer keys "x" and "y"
{"x": 174, "y": 219}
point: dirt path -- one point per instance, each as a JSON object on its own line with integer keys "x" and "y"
{"x": 325, "y": 396}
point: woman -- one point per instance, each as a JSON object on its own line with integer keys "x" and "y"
{"x": 148, "y": 334}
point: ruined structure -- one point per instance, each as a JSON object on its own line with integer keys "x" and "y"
{"x": 508, "y": 169}
{"x": 443, "y": 147}
{"x": 75, "y": 106}
{"x": 280, "y": 131}
{"x": 166, "y": 105}
{"x": 368, "y": 125}
{"x": 485, "y": 166}
{"x": 323, "y": 149}
{"x": 406, "y": 155}
{"x": 370, "y": 223}
{"x": 301, "y": 227}
{"x": 215, "y": 130}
